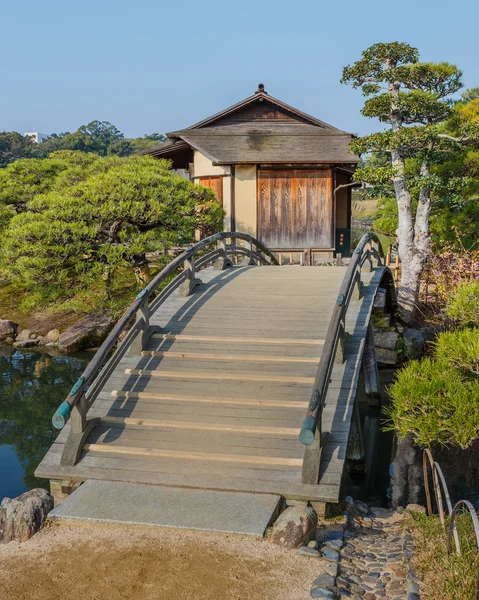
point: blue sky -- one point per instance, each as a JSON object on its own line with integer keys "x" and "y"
{"x": 155, "y": 66}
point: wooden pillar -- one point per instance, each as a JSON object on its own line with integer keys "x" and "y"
{"x": 370, "y": 370}
{"x": 188, "y": 286}
{"x": 355, "y": 449}
{"x": 223, "y": 261}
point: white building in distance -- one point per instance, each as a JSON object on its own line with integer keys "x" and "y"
{"x": 36, "y": 136}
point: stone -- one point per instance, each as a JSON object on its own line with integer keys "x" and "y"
{"x": 334, "y": 544}
{"x": 122, "y": 503}
{"x": 386, "y": 357}
{"x": 331, "y": 555}
{"x": 325, "y": 580}
{"x": 415, "y": 508}
{"x": 88, "y": 332}
{"x": 294, "y": 527}
{"x": 25, "y": 343}
{"x": 361, "y": 507}
{"x": 8, "y": 329}
{"x": 369, "y": 596}
{"x": 23, "y": 516}
{"x": 348, "y": 501}
{"x": 387, "y": 340}
{"x": 313, "y": 544}
{"x": 412, "y": 587}
{"x": 52, "y": 337}
{"x": 331, "y": 568}
{"x": 322, "y": 594}
{"x": 309, "y": 552}
{"x": 381, "y": 321}
{"x": 25, "y": 334}
{"x": 413, "y": 343}
{"x": 413, "y": 596}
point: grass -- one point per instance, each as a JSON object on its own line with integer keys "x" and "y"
{"x": 445, "y": 576}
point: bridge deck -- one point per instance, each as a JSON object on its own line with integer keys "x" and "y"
{"x": 217, "y": 399}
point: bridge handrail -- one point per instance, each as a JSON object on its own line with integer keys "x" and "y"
{"x": 76, "y": 403}
{"x": 368, "y": 250}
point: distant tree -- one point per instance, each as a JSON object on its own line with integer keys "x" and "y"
{"x": 14, "y": 146}
{"x": 413, "y": 99}
{"x": 79, "y": 241}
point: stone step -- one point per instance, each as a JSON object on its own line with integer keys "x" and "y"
{"x": 118, "y": 503}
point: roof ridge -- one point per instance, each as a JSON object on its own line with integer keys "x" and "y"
{"x": 256, "y": 97}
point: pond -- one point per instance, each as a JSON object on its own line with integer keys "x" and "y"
{"x": 32, "y": 385}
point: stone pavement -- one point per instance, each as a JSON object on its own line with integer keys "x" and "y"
{"x": 364, "y": 558}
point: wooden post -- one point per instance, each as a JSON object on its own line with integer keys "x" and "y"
{"x": 370, "y": 370}
{"x": 312, "y": 460}
{"x": 307, "y": 257}
{"x": 339, "y": 259}
{"x": 342, "y": 340}
{"x": 248, "y": 260}
{"x": 358, "y": 286}
{"x": 187, "y": 287}
{"x": 223, "y": 261}
{"x": 355, "y": 449}
{"x": 388, "y": 257}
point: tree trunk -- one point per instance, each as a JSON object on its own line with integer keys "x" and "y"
{"x": 411, "y": 260}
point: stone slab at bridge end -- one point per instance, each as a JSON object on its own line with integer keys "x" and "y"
{"x": 120, "y": 503}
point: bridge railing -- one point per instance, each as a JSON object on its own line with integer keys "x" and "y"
{"x": 91, "y": 382}
{"x": 366, "y": 256}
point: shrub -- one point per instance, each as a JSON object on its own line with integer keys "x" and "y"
{"x": 434, "y": 402}
{"x": 463, "y": 306}
{"x": 460, "y": 350}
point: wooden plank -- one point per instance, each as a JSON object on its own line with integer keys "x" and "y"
{"x": 223, "y": 400}
{"x": 199, "y": 456}
{"x": 212, "y": 377}
{"x": 296, "y": 491}
{"x": 286, "y": 431}
{"x": 228, "y": 357}
{"x": 237, "y": 340}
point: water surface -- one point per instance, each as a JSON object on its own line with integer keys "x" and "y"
{"x": 32, "y": 385}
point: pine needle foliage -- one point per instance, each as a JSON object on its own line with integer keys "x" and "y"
{"x": 435, "y": 403}
{"x": 78, "y": 235}
{"x": 463, "y": 306}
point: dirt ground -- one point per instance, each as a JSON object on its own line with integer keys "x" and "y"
{"x": 67, "y": 562}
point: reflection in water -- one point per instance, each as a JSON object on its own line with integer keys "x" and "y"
{"x": 378, "y": 449}
{"x": 32, "y": 385}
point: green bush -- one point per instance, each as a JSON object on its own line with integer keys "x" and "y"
{"x": 435, "y": 403}
{"x": 463, "y": 306}
{"x": 460, "y": 350}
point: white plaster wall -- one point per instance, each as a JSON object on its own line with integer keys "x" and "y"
{"x": 245, "y": 199}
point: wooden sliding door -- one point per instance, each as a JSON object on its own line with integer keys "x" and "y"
{"x": 295, "y": 208}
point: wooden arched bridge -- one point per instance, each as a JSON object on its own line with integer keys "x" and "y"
{"x": 233, "y": 377}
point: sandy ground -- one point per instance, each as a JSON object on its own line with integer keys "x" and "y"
{"x": 64, "y": 562}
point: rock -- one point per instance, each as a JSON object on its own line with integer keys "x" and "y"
{"x": 8, "y": 329}
{"x": 415, "y": 508}
{"x": 387, "y": 340}
{"x": 52, "y": 337}
{"x": 361, "y": 507}
{"x": 21, "y": 517}
{"x": 348, "y": 501}
{"x": 25, "y": 334}
{"x": 413, "y": 343}
{"x": 330, "y": 568}
{"x": 309, "y": 552}
{"x": 322, "y": 593}
{"x": 313, "y": 544}
{"x": 25, "y": 343}
{"x": 331, "y": 555}
{"x": 324, "y": 580}
{"x": 334, "y": 544}
{"x": 386, "y": 357}
{"x": 86, "y": 333}
{"x": 294, "y": 527}
{"x": 381, "y": 321}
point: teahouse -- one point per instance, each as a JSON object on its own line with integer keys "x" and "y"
{"x": 281, "y": 175}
